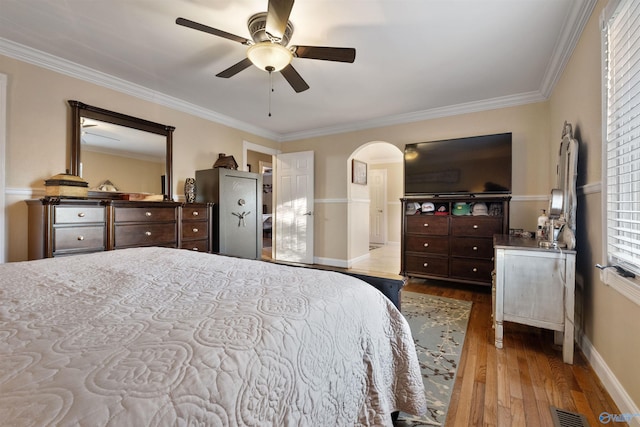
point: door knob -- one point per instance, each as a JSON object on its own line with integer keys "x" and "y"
{"x": 308, "y": 213}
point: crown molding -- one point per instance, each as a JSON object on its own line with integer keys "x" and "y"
{"x": 71, "y": 69}
{"x": 576, "y": 20}
{"x": 434, "y": 113}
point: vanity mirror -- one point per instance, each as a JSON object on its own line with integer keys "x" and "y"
{"x": 119, "y": 153}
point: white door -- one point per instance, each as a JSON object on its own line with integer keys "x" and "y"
{"x": 294, "y": 175}
{"x": 378, "y": 206}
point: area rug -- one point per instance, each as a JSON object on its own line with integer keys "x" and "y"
{"x": 438, "y": 326}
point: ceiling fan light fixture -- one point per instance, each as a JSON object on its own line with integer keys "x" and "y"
{"x": 269, "y": 56}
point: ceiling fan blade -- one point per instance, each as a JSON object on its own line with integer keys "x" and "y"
{"x": 277, "y": 17}
{"x": 340, "y": 54}
{"x": 295, "y": 80}
{"x": 234, "y": 69}
{"x": 200, "y": 27}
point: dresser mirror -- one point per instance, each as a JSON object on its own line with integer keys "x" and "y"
{"x": 119, "y": 154}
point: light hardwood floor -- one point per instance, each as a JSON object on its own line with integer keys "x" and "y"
{"x": 515, "y": 386}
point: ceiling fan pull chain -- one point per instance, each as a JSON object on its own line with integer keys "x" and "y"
{"x": 270, "y": 70}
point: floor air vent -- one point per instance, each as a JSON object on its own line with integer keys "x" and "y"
{"x": 562, "y": 418}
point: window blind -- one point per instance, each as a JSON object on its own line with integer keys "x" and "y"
{"x": 622, "y": 43}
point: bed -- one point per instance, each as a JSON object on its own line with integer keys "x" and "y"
{"x": 158, "y": 336}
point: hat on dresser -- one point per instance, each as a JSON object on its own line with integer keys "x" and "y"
{"x": 480, "y": 208}
{"x": 442, "y": 209}
{"x": 461, "y": 208}
{"x": 428, "y": 208}
{"x": 412, "y": 208}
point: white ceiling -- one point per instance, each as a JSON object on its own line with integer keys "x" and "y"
{"x": 415, "y": 59}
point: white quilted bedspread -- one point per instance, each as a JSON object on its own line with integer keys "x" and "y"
{"x": 159, "y": 337}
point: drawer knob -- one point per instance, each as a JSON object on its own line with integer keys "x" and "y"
{"x": 194, "y": 249}
{"x": 426, "y": 264}
{"x": 475, "y": 248}
{"x": 147, "y": 233}
{"x": 426, "y": 245}
{"x": 81, "y": 214}
{"x": 426, "y": 224}
{"x": 475, "y": 270}
{"x": 194, "y": 213}
{"x": 81, "y": 238}
{"x": 475, "y": 226}
{"x": 195, "y": 230}
{"x": 147, "y": 213}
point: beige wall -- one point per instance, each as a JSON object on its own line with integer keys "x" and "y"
{"x": 608, "y": 320}
{"x": 531, "y": 152}
{"x": 37, "y": 137}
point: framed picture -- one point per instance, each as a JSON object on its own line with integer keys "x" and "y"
{"x": 358, "y": 172}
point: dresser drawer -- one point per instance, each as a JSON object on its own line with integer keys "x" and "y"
{"x": 433, "y": 266}
{"x": 477, "y": 270}
{"x": 428, "y": 224}
{"x": 472, "y": 247}
{"x": 194, "y": 230}
{"x": 78, "y": 238}
{"x": 427, "y": 244}
{"x": 192, "y": 212}
{"x": 476, "y": 226}
{"x": 78, "y": 214}
{"x": 196, "y": 245}
{"x": 145, "y": 234}
{"x": 144, "y": 214}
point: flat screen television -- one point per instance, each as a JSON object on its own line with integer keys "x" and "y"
{"x": 474, "y": 165}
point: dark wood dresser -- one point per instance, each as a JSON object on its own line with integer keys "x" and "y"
{"x": 449, "y": 246}
{"x": 60, "y": 227}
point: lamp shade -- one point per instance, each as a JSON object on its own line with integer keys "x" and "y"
{"x": 265, "y": 55}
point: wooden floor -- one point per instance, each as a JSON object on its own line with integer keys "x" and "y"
{"x": 515, "y": 386}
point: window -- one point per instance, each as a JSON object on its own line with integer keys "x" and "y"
{"x": 621, "y": 32}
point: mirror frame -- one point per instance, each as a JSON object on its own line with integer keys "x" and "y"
{"x": 80, "y": 110}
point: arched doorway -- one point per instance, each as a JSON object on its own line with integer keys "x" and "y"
{"x": 374, "y": 208}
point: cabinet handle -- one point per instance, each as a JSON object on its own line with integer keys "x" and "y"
{"x": 81, "y": 214}
{"x": 147, "y": 213}
{"x": 426, "y": 245}
{"x": 426, "y": 224}
{"x": 147, "y": 233}
{"x": 426, "y": 264}
{"x": 81, "y": 238}
{"x": 195, "y": 230}
{"x": 194, "y": 213}
{"x": 475, "y": 226}
{"x": 475, "y": 248}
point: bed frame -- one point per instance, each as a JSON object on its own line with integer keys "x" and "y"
{"x": 389, "y": 287}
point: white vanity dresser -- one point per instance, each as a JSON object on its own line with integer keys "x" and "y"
{"x": 534, "y": 286}
{"x": 534, "y": 282}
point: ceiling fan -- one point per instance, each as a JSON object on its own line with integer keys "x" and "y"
{"x": 270, "y": 32}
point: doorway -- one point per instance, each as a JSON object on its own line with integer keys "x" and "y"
{"x": 375, "y": 247}
{"x": 262, "y": 163}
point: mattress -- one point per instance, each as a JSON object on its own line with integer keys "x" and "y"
{"x": 158, "y": 336}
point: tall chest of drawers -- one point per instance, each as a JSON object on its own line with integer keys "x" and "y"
{"x": 196, "y": 227}
{"x": 60, "y": 227}
{"x": 447, "y": 246}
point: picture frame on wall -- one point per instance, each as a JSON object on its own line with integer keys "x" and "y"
{"x": 358, "y": 172}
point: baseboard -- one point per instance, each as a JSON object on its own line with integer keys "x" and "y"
{"x": 331, "y": 262}
{"x": 619, "y": 395}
